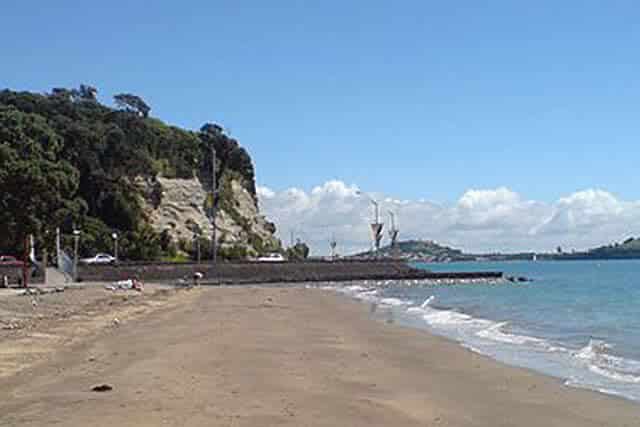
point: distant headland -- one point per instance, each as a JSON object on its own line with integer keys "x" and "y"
{"x": 430, "y": 251}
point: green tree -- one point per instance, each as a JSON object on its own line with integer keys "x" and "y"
{"x": 132, "y": 103}
{"x": 298, "y": 252}
{"x": 39, "y": 190}
{"x": 66, "y": 159}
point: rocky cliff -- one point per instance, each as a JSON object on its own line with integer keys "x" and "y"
{"x": 177, "y": 207}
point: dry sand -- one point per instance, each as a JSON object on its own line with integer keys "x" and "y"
{"x": 276, "y": 356}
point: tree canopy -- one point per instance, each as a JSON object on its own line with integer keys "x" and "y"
{"x": 66, "y": 159}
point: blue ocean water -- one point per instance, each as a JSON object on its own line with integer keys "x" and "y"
{"x": 577, "y": 320}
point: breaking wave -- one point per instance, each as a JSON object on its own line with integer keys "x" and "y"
{"x": 593, "y": 366}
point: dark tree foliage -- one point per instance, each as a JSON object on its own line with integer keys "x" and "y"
{"x": 67, "y": 159}
{"x": 298, "y": 252}
{"x": 132, "y": 103}
{"x": 230, "y": 155}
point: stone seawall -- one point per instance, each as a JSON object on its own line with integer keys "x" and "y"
{"x": 238, "y": 273}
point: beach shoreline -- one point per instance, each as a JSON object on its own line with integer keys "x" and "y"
{"x": 287, "y": 356}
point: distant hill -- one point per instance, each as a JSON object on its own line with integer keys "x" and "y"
{"x": 629, "y": 249}
{"x": 430, "y": 251}
{"x": 422, "y": 250}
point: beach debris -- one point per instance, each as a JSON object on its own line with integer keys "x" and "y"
{"x": 125, "y": 285}
{"x": 11, "y": 326}
{"x": 41, "y": 291}
{"x": 102, "y": 388}
{"x": 116, "y": 322}
{"x": 197, "y": 276}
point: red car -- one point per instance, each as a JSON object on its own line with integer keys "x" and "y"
{"x": 8, "y": 260}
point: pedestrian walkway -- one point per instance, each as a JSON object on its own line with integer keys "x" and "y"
{"x": 56, "y": 278}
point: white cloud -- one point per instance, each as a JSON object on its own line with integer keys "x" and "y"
{"x": 265, "y": 193}
{"x": 481, "y": 220}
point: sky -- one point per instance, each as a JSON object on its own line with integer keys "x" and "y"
{"x": 427, "y": 103}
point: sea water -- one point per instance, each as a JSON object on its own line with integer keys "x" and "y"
{"x": 576, "y": 320}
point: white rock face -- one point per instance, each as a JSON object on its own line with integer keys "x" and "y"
{"x": 181, "y": 211}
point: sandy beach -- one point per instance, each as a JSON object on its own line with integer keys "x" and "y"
{"x": 249, "y": 356}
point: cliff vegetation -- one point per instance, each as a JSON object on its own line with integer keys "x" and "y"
{"x": 68, "y": 161}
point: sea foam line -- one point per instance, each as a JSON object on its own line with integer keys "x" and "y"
{"x": 594, "y": 357}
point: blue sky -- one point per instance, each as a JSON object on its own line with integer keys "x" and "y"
{"x": 418, "y": 99}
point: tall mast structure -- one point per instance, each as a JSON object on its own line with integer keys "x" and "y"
{"x": 214, "y": 204}
{"x": 393, "y": 231}
{"x": 332, "y": 244}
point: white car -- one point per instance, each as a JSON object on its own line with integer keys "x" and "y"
{"x": 99, "y": 259}
{"x": 274, "y": 257}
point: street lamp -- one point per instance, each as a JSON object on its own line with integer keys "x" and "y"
{"x": 196, "y": 237}
{"x": 374, "y": 202}
{"x": 76, "y": 240}
{"x": 114, "y": 236}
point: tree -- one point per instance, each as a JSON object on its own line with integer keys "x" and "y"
{"x": 212, "y": 129}
{"x": 67, "y": 159}
{"x": 132, "y": 103}
{"x": 298, "y": 252}
{"x": 87, "y": 93}
{"x": 38, "y": 189}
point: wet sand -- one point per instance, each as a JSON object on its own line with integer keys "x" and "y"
{"x": 281, "y": 356}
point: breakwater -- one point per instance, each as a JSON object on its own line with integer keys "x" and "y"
{"x": 276, "y": 272}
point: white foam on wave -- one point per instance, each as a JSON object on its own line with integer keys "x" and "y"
{"x": 593, "y": 350}
{"x": 451, "y": 318}
{"x": 427, "y": 301}
{"x": 422, "y": 308}
{"x": 490, "y": 338}
{"x": 395, "y": 302}
{"x": 595, "y": 355}
{"x": 474, "y": 349}
{"x": 495, "y": 333}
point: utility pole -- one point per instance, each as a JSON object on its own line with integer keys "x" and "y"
{"x": 196, "y": 238}
{"x": 25, "y": 264}
{"x": 58, "y": 250}
{"x": 214, "y": 195}
{"x": 76, "y": 239}
{"x": 115, "y": 245}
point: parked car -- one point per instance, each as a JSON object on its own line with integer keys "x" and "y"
{"x": 273, "y": 257}
{"x": 99, "y": 259}
{"x": 8, "y": 260}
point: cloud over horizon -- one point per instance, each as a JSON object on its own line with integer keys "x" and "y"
{"x": 482, "y": 220}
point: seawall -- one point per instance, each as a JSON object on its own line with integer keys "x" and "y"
{"x": 285, "y": 272}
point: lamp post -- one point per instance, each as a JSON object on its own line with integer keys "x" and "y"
{"x": 196, "y": 238}
{"x": 114, "y": 236}
{"x": 76, "y": 240}
{"x": 214, "y": 206}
